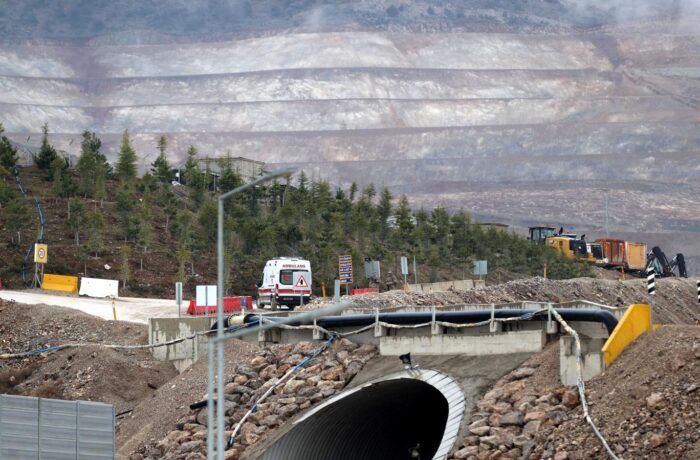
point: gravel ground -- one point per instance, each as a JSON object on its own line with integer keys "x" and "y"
{"x": 119, "y": 377}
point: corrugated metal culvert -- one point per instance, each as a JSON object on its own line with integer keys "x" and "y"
{"x": 410, "y": 414}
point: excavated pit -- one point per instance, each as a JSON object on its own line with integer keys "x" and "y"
{"x": 385, "y": 418}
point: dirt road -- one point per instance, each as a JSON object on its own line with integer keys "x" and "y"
{"x": 131, "y": 309}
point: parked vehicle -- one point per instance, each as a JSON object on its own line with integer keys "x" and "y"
{"x": 285, "y": 281}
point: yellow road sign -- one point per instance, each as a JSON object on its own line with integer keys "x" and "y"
{"x": 41, "y": 253}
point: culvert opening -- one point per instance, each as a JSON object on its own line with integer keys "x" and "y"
{"x": 383, "y": 420}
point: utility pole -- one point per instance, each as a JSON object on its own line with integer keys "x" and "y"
{"x": 606, "y": 190}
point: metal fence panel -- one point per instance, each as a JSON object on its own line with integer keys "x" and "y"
{"x": 46, "y": 429}
{"x": 19, "y": 428}
{"x": 95, "y": 430}
{"x": 58, "y": 430}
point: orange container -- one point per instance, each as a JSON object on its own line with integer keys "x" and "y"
{"x": 614, "y": 251}
{"x": 636, "y": 255}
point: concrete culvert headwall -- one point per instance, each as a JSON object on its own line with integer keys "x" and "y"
{"x": 384, "y": 418}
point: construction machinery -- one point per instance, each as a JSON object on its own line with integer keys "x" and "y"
{"x": 610, "y": 253}
{"x": 631, "y": 256}
{"x": 663, "y": 267}
{"x": 567, "y": 244}
{"x": 541, "y": 233}
{"x": 571, "y": 248}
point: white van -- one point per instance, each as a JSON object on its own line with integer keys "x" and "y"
{"x": 286, "y": 281}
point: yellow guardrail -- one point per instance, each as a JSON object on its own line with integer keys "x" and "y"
{"x": 60, "y": 283}
{"x": 635, "y": 322}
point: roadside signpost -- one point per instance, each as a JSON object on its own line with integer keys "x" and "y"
{"x": 651, "y": 289}
{"x": 480, "y": 268}
{"x": 404, "y": 270}
{"x": 345, "y": 271}
{"x": 41, "y": 257}
{"x": 178, "y": 297}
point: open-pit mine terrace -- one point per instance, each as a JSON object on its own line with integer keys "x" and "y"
{"x": 542, "y": 121}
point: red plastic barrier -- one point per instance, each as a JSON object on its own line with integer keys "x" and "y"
{"x": 231, "y": 304}
{"x": 363, "y": 291}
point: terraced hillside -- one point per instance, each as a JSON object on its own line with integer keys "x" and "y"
{"x": 521, "y": 114}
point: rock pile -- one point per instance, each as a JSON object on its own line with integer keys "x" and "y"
{"x": 321, "y": 378}
{"x": 510, "y": 416}
{"x": 646, "y": 405}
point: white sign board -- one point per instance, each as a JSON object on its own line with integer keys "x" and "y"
{"x": 404, "y": 266}
{"x": 178, "y": 292}
{"x": 94, "y": 287}
{"x": 206, "y": 296}
{"x": 480, "y": 267}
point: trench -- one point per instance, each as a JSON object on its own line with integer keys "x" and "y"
{"x": 384, "y": 419}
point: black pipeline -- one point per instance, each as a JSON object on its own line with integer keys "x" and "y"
{"x": 457, "y": 317}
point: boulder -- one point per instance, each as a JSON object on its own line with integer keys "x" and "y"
{"x": 466, "y": 452}
{"x": 293, "y": 386}
{"x": 240, "y": 379}
{"x": 532, "y": 427}
{"x": 570, "y": 398}
{"x": 534, "y": 415}
{"x": 335, "y": 373}
{"x": 258, "y": 363}
{"x": 512, "y": 418}
{"x": 480, "y": 430}
{"x": 654, "y": 400}
{"x": 656, "y": 440}
{"x": 522, "y": 373}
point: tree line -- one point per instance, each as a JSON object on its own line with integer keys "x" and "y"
{"x": 293, "y": 217}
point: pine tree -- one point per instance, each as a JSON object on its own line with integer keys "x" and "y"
{"x": 125, "y": 204}
{"x": 183, "y": 256}
{"x": 47, "y": 153}
{"x": 18, "y": 218}
{"x": 353, "y": 191}
{"x": 76, "y": 218}
{"x": 230, "y": 178}
{"x": 208, "y": 220}
{"x": 145, "y": 236}
{"x": 95, "y": 226}
{"x": 169, "y": 204}
{"x": 8, "y": 152}
{"x": 404, "y": 218}
{"x": 161, "y": 168}
{"x": 63, "y": 184}
{"x": 383, "y": 213}
{"x": 193, "y": 176}
{"x": 91, "y": 168}
{"x": 124, "y": 269}
{"x": 126, "y": 164}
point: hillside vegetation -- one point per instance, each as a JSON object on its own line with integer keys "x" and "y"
{"x": 104, "y": 221}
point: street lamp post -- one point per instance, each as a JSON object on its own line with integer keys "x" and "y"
{"x": 606, "y": 211}
{"x": 220, "y": 316}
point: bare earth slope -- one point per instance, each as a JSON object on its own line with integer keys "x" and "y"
{"x": 119, "y": 377}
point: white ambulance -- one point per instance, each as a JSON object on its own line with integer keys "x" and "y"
{"x": 286, "y": 281}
